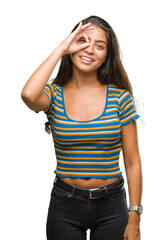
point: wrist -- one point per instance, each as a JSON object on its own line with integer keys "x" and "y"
{"x": 137, "y": 208}
{"x": 62, "y": 49}
{"x": 59, "y": 50}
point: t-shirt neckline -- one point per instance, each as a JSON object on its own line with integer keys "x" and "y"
{"x": 80, "y": 121}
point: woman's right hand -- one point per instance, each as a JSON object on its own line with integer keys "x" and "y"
{"x": 32, "y": 93}
{"x": 71, "y": 45}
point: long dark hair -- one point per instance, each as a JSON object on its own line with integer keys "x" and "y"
{"x": 110, "y": 72}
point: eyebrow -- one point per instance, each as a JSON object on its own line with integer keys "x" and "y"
{"x": 101, "y": 41}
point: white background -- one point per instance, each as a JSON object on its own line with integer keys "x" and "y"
{"x": 30, "y": 30}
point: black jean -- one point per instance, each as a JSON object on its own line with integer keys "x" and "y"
{"x": 70, "y": 215}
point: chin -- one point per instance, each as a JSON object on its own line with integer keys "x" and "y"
{"x": 86, "y": 70}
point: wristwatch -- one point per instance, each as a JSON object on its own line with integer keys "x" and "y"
{"x": 138, "y": 209}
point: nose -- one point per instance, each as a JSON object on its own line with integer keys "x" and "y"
{"x": 90, "y": 49}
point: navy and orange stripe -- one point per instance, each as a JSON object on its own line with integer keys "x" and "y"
{"x": 89, "y": 148}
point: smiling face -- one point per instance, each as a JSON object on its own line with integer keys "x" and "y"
{"x": 88, "y": 60}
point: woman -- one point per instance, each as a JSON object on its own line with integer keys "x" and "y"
{"x": 88, "y": 190}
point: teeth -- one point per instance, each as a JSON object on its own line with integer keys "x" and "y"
{"x": 88, "y": 59}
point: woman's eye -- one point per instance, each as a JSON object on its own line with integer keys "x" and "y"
{"x": 81, "y": 40}
{"x": 100, "y": 47}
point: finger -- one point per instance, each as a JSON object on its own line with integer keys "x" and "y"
{"x": 78, "y": 28}
{"x": 87, "y": 26}
{"x": 82, "y": 35}
{"x": 82, "y": 28}
{"x": 86, "y": 37}
{"x": 73, "y": 34}
{"x": 84, "y": 45}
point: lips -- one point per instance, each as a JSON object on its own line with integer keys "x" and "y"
{"x": 86, "y": 58}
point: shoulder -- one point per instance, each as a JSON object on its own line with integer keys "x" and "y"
{"x": 122, "y": 96}
{"x": 53, "y": 88}
{"x": 56, "y": 87}
{"x": 116, "y": 91}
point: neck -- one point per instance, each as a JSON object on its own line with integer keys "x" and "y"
{"x": 84, "y": 80}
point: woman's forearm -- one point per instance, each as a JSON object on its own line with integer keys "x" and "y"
{"x": 134, "y": 178}
{"x": 34, "y": 86}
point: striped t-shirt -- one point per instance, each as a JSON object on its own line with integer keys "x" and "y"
{"x": 89, "y": 149}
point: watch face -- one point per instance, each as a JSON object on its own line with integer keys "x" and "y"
{"x": 140, "y": 209}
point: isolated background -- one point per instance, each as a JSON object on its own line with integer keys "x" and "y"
{"x": 30, "y": 30}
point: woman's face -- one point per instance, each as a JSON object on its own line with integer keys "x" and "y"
{"x": 88, "y": 60}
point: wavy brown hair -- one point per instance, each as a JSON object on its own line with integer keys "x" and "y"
{"x": 110, "y": 72}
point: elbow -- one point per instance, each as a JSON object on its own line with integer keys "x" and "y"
{"x": 27, "y": 97}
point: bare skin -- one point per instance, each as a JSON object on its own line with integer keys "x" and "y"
{"x": 88, "y": 42}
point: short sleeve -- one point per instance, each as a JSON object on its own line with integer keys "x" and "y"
{"x": 49, "y": 89}
{"x": 127, "y": 108}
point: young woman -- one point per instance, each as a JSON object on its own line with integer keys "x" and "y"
{"x": 91, "y": 114}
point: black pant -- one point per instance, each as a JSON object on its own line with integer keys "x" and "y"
{"x": 70, "y": 215}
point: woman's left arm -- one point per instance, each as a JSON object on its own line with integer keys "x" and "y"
{"x": 133, "y": 170}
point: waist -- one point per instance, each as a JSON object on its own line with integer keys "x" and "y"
{"x": 88, "y": 182}
{"x": 92, "y": 193}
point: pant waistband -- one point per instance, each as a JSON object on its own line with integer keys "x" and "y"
{"x": 100, "y": 192}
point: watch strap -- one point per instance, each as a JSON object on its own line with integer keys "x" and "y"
{"x": 133, "y": 208}
{"x": 138, "y": 209}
